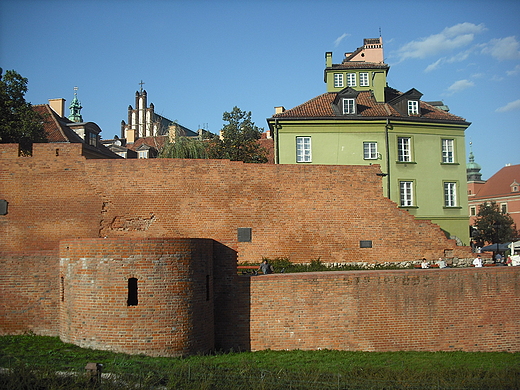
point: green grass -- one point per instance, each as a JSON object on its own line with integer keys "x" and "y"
{"x": 34, "y": 361}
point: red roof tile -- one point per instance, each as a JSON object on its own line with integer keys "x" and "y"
{"x": 500, "y": 183}
{"x": 321, "y": 107}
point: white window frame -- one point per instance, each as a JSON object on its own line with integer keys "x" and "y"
{"x": 338, "y": 80}
{"x": 450, "y": 194}
{"x": 503, "y": 208}
{"x": 404, "y": 149}
{"x": 406, "y": 193}
{"x": 413, "y": 107}
{"x": 349, "y": 106}
{"x": 351, "y": 79}
{"x": 448, "y": 154}
{"x": 303, "y": 150}
{"x": 142, "y": 154}
{"x": 363, "y": 79}
{"x": 472, "y": 211}
{"x": 370, "y": 150}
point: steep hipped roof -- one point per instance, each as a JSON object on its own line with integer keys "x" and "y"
{"x": 500, "y": 183}
{"x": 56, "y": 127}
{"x": 367, "y": 107}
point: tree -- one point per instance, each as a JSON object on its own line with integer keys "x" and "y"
{"x": 239, "y": 139}
{"x": 19, "y": 123}
{"x": 185, "y": 147}
{"x": 494, "y": 226}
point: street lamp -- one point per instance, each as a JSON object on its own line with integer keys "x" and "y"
{"x": 497, "y": 227}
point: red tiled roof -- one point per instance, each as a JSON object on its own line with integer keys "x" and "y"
{"x": 321, "y": 107}
{"x": 55, "y": 127}
{"x": 157, "y": 142}
{"x": 500, "y": 183}
{"x": 359, "y": 65}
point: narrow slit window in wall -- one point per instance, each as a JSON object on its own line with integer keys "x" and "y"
{"x": 62, "y": 288}
{"x": 132, "y": 292}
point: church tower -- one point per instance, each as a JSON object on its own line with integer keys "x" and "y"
{"x": 75, "y": 108}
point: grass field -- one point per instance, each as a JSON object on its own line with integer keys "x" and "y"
{"x": 37, "y": 362}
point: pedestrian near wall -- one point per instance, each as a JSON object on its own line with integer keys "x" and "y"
{"x": 424, "y": 263}
{"x": 266, "y": 268}
{"x": 478, "y": 261}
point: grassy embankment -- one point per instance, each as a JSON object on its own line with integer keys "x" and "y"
{"x": 36, "y": 362}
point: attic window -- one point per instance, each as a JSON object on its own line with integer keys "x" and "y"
{"x": 413, "y": 107}
{"x": 349, "y": 106}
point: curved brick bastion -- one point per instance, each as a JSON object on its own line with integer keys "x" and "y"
{"x": 151, "y": 296}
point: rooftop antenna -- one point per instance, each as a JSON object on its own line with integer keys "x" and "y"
{"x": 379, "y": 32}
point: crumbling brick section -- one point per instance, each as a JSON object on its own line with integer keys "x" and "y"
{"x": 300, "y": 212}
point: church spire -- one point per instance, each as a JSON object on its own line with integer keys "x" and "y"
{"x": 473, "y": 169}
{"x": 75, "y": 108}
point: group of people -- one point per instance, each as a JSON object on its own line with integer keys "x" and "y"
{"x": 441, "y": 263}
{"x": 499, "y": 260}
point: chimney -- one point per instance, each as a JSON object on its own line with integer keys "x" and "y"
{"x": 328, "y": 59}
{"x": 58, "y": 106}
{"x": 279, "y": 109}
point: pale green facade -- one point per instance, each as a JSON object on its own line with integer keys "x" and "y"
{"x": 431, "y": 185}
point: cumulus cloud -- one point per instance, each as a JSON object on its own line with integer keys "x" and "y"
{"x": 459, "y": 86}
{"x": 340, "y": 38}
{"x": 450, "y": 38}
{"x": 512, "y": 106}
{"x": 503, "y": 48}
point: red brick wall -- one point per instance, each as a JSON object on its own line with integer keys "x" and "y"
{"x": 174, "y": 311}
{"x": 302, "y": 212}
{"x": 423, "y": 310}
{"x": 29, "y": 293}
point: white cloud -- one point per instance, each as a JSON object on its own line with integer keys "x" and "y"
{"x": 339, "y": 39}
{"x": 512, "y": 106}
{"x": 503, "y": 48}
{"x": 435, "y": 65}
{"x": 461, "y": 85}
{"x": 450, "y": 38}
{"x": 516, "y": 70}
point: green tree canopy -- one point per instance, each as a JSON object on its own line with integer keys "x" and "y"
{"x": 494, "y": 226}
{"x": 239, "y": 139}
{"x": 185, "y": 147}
{"x": 19, "y": 123}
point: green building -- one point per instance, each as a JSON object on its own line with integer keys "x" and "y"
{"x": 360, "y": 120}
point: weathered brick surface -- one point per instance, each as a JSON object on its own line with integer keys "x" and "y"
{"x": 423, "y": 310}
{"x": 78, "y": 229}
{"x": 29, "y": 289}
{"x": 174, "y": 311}
{"x": 302, "y": 212}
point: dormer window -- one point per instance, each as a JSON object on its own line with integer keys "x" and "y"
{"x": 92, "y": 139}
{"x": 142, "y": 153}
{"x": 349, "y": 106}
{"x": 413, "y": 107}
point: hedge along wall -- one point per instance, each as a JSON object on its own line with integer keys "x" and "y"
{"x": 29, "y": 292}
{"x": 302, "y": 212}
{"x": 422, "y": 310}
{"x": 151, "y": 296}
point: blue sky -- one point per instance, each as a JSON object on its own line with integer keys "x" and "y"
{"x": 199, "y": 59}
